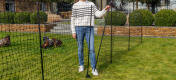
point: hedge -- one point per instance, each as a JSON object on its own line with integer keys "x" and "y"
{"x": 7, "y": 17}
{"x": 141, "y": 17}
{"x": 165, "y": 17}
{"x": 22, "y": 17}
{"x": 34, "y": 17}
{"x": 118, "y": 18}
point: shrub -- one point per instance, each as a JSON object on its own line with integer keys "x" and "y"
{"x": 165, "y": 18}
{"x": 7, "y": 17}
{"x": 99, "y": 21}
{"x": 141, "y": 17}
{"x": 118, "y": 18}
{"x": 22, "y": 17}
{"x": 34, "y": 17}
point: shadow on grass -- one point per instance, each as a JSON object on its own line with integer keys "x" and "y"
{"x": 118, "y": 55}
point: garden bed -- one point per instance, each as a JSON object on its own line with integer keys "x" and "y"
{"x": 26, "y": 27}
{"x": 138, "y": 30}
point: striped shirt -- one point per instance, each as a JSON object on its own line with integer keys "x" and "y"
{"x": 83, "y": 14}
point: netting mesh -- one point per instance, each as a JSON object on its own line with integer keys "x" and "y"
{"x": 20, "y": 59}
{"x": 36, "y": 41}
{"x": 32, "y": 53}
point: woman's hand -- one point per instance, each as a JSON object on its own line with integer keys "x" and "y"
{"x": 107, "y": 7}
{"x": 74, "y": 35}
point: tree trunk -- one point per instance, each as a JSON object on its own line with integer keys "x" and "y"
{"x": 137, "y": 4}
{"x": 50, "y": 7}
{"x": 101, "y": 5}
{"x": 133, "y": 5}
{"x": 153, "y": 8}
{"x": 167, "y": 4}
{"x": 148, "y": 7}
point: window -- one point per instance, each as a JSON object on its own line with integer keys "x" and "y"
{"x": 43, "y": 7}
{"x": 10, "y": 5}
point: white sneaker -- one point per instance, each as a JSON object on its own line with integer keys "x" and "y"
{"x": 81, "y": 68}
{"x": 95, "y": 72}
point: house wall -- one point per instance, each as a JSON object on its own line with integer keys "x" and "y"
{"x": 21, "y": 6}
{"x": 2, "y": 5}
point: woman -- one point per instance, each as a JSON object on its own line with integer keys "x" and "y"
{"x": 82, "y": 25}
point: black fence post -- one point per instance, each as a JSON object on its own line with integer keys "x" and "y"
{"x": 87, "y": 75}
{"x": 102, "y": 37}
{"x": 111, "y": 34}
{"x": 141, "y": 34}
{"x": 129, "y": 34}
{"x": 141, "y": 20}
{"x": 41, "y": 53}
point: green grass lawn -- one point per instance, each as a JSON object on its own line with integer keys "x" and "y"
{"x": 154, "y": 59}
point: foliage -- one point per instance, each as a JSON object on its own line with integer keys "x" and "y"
{"x": 99, "y": 21}
{"x": 7, "y": 17}
{"x": 118, "y": 18}
{"x": 34, "y": 17}
{"x": 22, "y": 17}
{"x": 150, "y": 3}
{"x": 165, "y": 18}
{"x": 141, "y": 18}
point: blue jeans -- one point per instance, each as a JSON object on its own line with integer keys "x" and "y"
{"x": 88, "y": 32}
